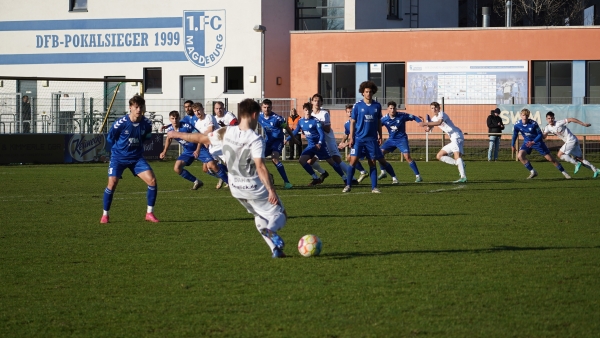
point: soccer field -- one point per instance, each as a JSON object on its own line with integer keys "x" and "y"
{"x": 499, "y": 256}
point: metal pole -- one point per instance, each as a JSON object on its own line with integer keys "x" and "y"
{"x": 262, "y": 60}
{"x": 508, "y": 13}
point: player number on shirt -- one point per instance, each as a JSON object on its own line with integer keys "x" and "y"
{"x": 243, "y": 168}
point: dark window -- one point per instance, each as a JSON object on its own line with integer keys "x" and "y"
{"x": 153, "y": 80}
{"x": 389, "y": 78}
{"x": 393, "y": 11}
{"x": 593, "y": 82}
{"x": 234, "y": 79}
{"x": 320, "y": 15}
{"x": 553, "y": 82}
{"x": 77, "y": 5}
{"x": 337, "y": 83}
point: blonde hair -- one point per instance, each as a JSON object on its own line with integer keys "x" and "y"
{"x": 526, "y": 112}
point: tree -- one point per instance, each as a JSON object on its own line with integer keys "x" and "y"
{"x": 543, "y": 12}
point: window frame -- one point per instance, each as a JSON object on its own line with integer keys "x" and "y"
{"x": 300, "y": 18}
{"x": 548, "y": 99}
{"x": 588, "y": 98}
{"x": 393, "y": 9}
{"x": 335, "y": 102}
{"x": 154, "y": 89}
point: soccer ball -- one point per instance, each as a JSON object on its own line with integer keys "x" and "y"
{"x": 310, "y": 245}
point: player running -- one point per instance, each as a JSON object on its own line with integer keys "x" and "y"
{"x": 455, "y": 147}
{"x": 206, "y": 124}
{"x": 126, "y": 140}
{"x": 315, "y": 136}
{"x": 186, "y": 158}
{"x": 571, "y": 145}
{"x": 395, "y": 124}
{"x": 532, "y": 139}
{"x": 243, "y": 151}
{"x": 273, "y": 125}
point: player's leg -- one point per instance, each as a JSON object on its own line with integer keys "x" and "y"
{"x": 443, "y": 155}
{"x": 571, "y": 152}
{"x": 182, "y": 161}
{"x": 361, "y": 170}
{"x": 522, "y": 157}
{"x": 413, "y": 166}
{"x": 220, "y": 171}
{"x": 304, "y": 161}
{"x": 269, "y": 219}
{"x": 374, "y": 155}
{"x": 108, "y": 197}
{"x": 142, "y": 170}
{"x": 275, "y": 156}
{"x": 461, "y": 167}
{"x": 387, "y": 147}
{"x": 544, "y": 151}
{"x": 336, "y": 167}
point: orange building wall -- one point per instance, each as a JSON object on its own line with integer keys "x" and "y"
{"x": 308, "y": 49}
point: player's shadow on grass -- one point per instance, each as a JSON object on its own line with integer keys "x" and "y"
{"x": 495, "y": 249}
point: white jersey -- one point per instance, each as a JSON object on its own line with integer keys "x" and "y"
{"x": 560, "y": 129}
{"x": 226, "y": 119}
{"x": 240, "y": 148}
{"x": 208, "y": 121}
{"x": 323, "y": 116}
{"x": 447, "y": 125}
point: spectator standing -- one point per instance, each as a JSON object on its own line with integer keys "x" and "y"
{"x": 26, "y": 115}
{"x": 495, "y": 126}
{"x": 295, "y": 149}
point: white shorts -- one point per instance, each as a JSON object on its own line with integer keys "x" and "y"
{"x": 572, "y": 148}
{"x": 455, "y": 145}
{"x": 332, "y": 148}
{"x": 274, "y": 214}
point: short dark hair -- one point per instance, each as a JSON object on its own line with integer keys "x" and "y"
{"x": 137, "y": 100}
{"x": 549, "y": 114}
{"x": 392, "y": 103}
{"x": 307, "y": 105}
{"x": 317, "y": 95}
{"x": 435, "y": 104}
{"x": 189, "y": 101}
{"x": 174, "y": 113}
{"x": 368, "y": 84}
{"x": 219, "y": 102}
{"x": 197, "y": 106}
{"x": 247, "y": 107}
{"x": 349, "y": 106}
{"x": 267, "y": 102}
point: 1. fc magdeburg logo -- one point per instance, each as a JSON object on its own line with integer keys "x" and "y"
{"x": 204, "y": 33}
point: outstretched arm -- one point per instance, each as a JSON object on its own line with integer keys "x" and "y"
{"x": 574, "y": 120}
{"x": 190, "y": 137}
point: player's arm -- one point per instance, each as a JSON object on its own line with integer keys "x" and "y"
{"x": 321, "y": 135}
{"x": 539, "y": 137}
{"x": 293, "y": 133}
{"x": 352, "y": 130}
{"x": 263, "y": 174}
{"x": 379, "y": 133}
{"x": 167, "y": 144}
{"x": 514, "y": 138}
{"x": 574, "y": 120}
{"x": 198, "y": 138}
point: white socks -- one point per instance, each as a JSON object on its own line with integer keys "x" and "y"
{"x": 448, "y": 159}
{"x": 461, "y": 167}
{"x": 568, "y": 158}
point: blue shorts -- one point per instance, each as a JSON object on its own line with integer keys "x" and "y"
{"x": 366, "y": 148}
{"x": 187, "y": 158}
{"x": 322, "y": 153}
{"x": 400, "y": 144}
{"x": 205, "y": 155}
{"x": 117, "y": 166}
{"x": 272, "y": 146}
{"x": 540, "y": 147}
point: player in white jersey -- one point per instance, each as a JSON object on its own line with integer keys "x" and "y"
{"x": 332, "y": 146}
{"x": 223, "y": 117}
{"x": 570, "y": 150}
{"x": 243, "y": 150}
{"x": 208, "y": 155}
{"x": 455, "y": 147}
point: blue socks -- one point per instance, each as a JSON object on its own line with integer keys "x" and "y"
{"x": 389, "y": 169}
{"x": 186, "y": 174}
{"x": 350, "y": 175}
{"x": 373, "y": 176}
{"x": 529, "y": 166}
{"x": 309, "y": 170}
{"x": 281, "y": 171}
{"x": 107, "y": 199}
{"x": 151, "y": 195}
{"x": 413, "y": 166}
{"x": 359, "y": 166}
{"x": 338, "y": 169}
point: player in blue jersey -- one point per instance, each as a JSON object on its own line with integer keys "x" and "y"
{"x": 205, "y": 124}
{"x": 345, "y": 143}
{"x": 189, "y": 117}
{"x": 312, "y": 129}
{"x": 126, "y": 141}
{"x": 273, "y": 126}
{"x": 366, "y": 136}
{"x": 187, "y": 157}
{"x": 395, "y": 123}
{"x": 532, "y": 139}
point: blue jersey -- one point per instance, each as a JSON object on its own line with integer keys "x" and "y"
{"x": 127, "y": 138}
{"x": 312, "y": 130}
{"x": 184, "y": 127}
{"x": 531, "y": 131}
{"x": 396, "y": 126}
{"x": 368, "y": 119}
{"x": 347, "y": 128}
{"x": 272, "y": 125}
{"x": 189, "y": 119}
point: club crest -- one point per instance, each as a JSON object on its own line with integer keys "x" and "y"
{"x": 204, "y": 33}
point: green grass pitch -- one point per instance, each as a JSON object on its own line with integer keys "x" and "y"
{"x": 499, "y": 256}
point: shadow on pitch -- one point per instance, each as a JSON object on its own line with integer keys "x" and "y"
{"x": 495, "y": 249}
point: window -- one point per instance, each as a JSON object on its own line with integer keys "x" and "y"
{"x": 592, "y": 91}
{"x": 234, "y": 79}
{"x": 77, "y": 5}
{"x": 389, "y": 78}
{"x": 337, "y": 83}
{"x": 153, "y": 80}
{"x": 393, "y": 10}
{"x": 552, "y": 82}
{"x": 320, "y": 15}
